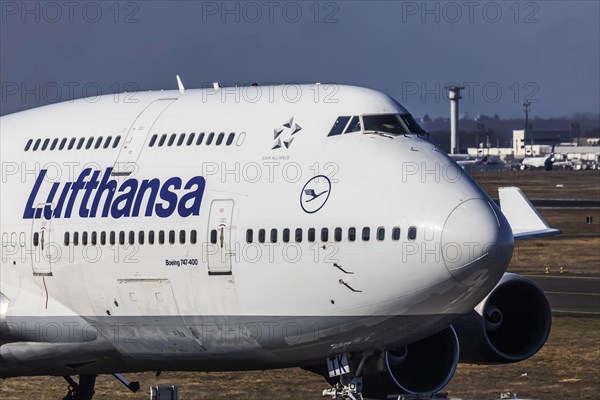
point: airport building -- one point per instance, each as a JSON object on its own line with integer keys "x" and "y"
{"x": 543, "y": 143}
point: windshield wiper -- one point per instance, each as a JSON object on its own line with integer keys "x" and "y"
{"x": 371, "y": 132}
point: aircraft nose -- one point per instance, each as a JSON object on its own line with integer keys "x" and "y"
{"x": 477, "y": 243}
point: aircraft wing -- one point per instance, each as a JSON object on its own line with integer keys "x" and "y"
{"x": 525, "y": 221}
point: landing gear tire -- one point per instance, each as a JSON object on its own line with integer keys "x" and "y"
{"x": 84, "y": 390}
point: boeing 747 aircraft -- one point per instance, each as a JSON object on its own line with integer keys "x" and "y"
{"x": 252, "y": 228}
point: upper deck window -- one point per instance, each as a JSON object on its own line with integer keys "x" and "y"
{"x": 384, "y": 123}
{"x": 338, "y": 126}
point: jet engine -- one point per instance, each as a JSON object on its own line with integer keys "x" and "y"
{"x": 422, "y": 367}
{"x": 511, "y": 324}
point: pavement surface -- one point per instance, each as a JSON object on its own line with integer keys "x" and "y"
{"x": 575, "y": 296}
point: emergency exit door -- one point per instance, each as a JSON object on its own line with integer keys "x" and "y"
{"x": 136, "y": 137}
{"x": 220, "y": 249}
{"x": 45, "y": 251}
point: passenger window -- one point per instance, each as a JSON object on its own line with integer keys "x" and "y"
{"x": 311, "y": 235}
{"x": 116, "y": 142}
{"x": 37, "y": 144}
{"x": 150, "y": 237}
{"x": 171, "y": 237}
{"x": 67, "y": 238}
{"x": 98, "y": 143}
{"x": 54, "y": 143}
{"x": 338, "y": 126}
{"x": 45, "y": 145}
{"x": 153, "y": 140}
{"x": 71, "y": 143}
{"x": 94, "y": 240}
{"x": 193, "y": 237}
{"x": 354, "y": 125}
{"x": 412, "y": 233}
{"x": 131, "y": 237}
{"x": 141, "y": 237}
{"x": 249, "y": 235}
{"x": 261, "y": 235}
{"x": 200, "y": 139}
{"x": 89, "y": 143}
{"x": 181, "y": 139}
{"x": 161, "y": 237}
{"x": 107, "y": 142}
{"x": 76, "y": 238}
{"x": 366, "y": 234}
{"x": 396, "y": 234}
{"x": 220, "y": 138}
{"x": 338, "y": 234}
{"x": 80, "y": 143}
{"x": 172, "y": 139}
{"x": 122, "y": 238}
{"x": 213, "y": 236}
{"x": 273, "y": 235}
{"x": 63, "y": 143}
{"x": 380, "y": 233}
{"x": 162, "y": 140}
{"x": 230, "y": 139}
{"x": 210, "y": 138}
{"x": 324, "y": 235}
{"x": 112, "y": 238}
{"x": 190, "y": 139}
{"x": 298, "y": 235}
{"x": 351, "y": 234}
{"x": 28, "y": 145}
{"x": 182, "y": 237}
{"x": 286, "y": 235}
{"x": 103, "y": 238}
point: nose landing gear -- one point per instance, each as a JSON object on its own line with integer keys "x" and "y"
{"x": 84, "y": 390}
{"x": 350, "y": 380}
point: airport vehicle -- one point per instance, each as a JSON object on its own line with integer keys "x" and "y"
{"x": 253, "y": 228}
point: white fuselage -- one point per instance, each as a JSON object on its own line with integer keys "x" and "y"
{"x": 207, "y": 298}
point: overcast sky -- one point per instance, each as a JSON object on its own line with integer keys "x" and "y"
{"x": 503, "y": 51}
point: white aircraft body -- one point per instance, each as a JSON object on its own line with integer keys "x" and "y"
{"x": 207, "y": 230}
{"x": 545, "y": 162}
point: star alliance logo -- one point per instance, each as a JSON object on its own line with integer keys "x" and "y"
{"x": 286, "y": 135}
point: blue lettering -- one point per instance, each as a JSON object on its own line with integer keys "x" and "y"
{"x": 194, "y": 197}
{"x": 29, "y": 210}
{"x": 169, "y": 196}
{"x": 129, "y": 199}
{"x": 128, "y": 188}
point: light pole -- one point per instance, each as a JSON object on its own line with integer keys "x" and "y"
{"x": 526, "y": 107}
{"x": 454, "y": 96}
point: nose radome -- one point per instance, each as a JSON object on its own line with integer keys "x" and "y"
{"x": 477, "y": 243}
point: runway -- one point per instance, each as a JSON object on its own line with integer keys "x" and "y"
{"x": 569, "y": 295}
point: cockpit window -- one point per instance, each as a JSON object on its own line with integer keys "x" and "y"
{"x": 412, "y": 125}
{"x": 339, "y": 126}
{"x": 384, "y": 123}
{"x": 354, "y": 125}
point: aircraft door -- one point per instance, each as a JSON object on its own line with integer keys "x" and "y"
{"x": 44, "y": 252}
{"x": 136, "y": 137}
{"x": 220, "y": 248}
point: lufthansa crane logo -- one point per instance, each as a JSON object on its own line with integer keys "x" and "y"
{"x": 315, "y": 194}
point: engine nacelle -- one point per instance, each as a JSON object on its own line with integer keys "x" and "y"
{"x": 511, "y": 324}
{"x": 422, "y": 367}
